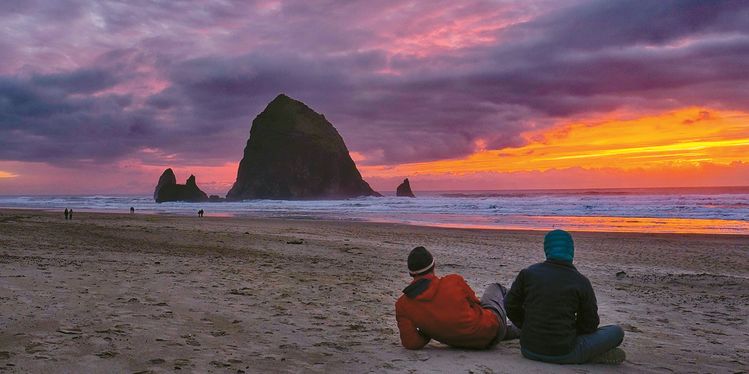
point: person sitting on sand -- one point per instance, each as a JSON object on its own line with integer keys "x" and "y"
{"x": 555, "y": 307}
{"x": 447, "y": 310}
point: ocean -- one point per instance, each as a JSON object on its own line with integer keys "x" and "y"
{"x": 713, "y": 210}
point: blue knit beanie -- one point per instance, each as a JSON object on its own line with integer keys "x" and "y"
{"x": 558, "y": 246}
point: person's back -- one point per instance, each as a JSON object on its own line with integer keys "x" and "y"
{"x": 559, "y": 304}
{"x": 555, "y": 307}
{"x": 447, "y": 310}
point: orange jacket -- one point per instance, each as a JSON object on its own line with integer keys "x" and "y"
{"x": 445, "y": 309}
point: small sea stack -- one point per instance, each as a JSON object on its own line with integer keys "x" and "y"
{"x": 404, "y": 189}
{"x": 168, "y": 190}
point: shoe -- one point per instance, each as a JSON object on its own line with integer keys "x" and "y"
{"x": 512, "y": 332}
{"x": 613, "y": 357}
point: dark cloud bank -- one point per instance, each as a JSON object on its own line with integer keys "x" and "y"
{"x": 392, "y": 105}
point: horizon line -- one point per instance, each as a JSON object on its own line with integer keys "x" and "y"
{"x": 440, "y": 190}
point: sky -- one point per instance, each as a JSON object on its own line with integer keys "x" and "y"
{"x": 102, "y": 96}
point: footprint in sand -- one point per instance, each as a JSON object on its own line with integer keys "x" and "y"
{"x": 190, "y": 340}
{"x": 106, "y": 354}
{"x": 69, "y": 331}
{"x": 180, "y": 363}
{"x": 334, "y": 345}
{"x": 630, "y": 328}
{"x": 34, "y": 347}
{"x": 218, "y": 333}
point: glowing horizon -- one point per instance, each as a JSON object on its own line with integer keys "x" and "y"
{"x": 686, "y": 137}
{"x": 453, "y": 95}
{"x": 677, "y": 145}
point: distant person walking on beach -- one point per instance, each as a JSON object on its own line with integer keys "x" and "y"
{"x": 200, "y": 213}
{"x": 447, "y": 310}
{"x": 66, "y": 214}
{"x": 70, "y": 214}
{"x": 132, "y": 210}
{"x": 555, "y": 307}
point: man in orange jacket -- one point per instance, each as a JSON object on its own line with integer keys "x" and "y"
{"x": 447, "y": 310}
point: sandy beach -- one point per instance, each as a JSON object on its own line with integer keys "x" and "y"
{"x": 121, "y": 293}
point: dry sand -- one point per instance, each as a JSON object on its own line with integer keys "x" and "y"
{"x": 117, "y": 293}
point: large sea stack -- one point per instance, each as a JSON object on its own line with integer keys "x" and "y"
{"x": 295, "y": 153}
{"x": 168, "y": 190}
{"x": 404, "y": 189}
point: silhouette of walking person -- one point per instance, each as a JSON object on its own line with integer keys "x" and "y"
{"x": 132, "y": 210}
{"x": 200, "y": 213}
{"x": 66, "y": 214}
{"x": 70, "y": 214}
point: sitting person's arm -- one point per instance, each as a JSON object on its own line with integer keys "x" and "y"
{"x": 470, "y": 294}
{"x": 587, "y": 314}
{"x": 514, "y": 301}
{"x": 411, "y": 337}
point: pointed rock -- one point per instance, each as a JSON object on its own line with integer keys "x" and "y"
{"x": 295, "y": 153}
{"x": 168, "y": 190}
{"x": 404, "y": 189}
{"x": 191, "y": 182}
{"x": 167, "y": 179}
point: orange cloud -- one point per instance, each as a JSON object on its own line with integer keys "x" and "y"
{"x": 677, "y": 143}
{"x": 688, "y": 147}
{"x": 5, "y": 174}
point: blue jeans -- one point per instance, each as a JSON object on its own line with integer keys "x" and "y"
{"x": 586, "y": 346}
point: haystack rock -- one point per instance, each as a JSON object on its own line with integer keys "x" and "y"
{"x": 404, "y": 189}
{"x": 168, "y": 190}
{"x": 295, "y": 153}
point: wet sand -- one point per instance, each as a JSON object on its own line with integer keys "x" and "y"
{"x": 111, "y": 293}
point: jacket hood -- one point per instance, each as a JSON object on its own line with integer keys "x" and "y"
{"x": 558, "y": 245}
{"x": 424, "y": 288}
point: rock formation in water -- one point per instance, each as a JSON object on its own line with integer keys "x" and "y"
{"x": 168, "y": 190}
{"x": 404, "y": 189}
{"x": 295, "y": 153}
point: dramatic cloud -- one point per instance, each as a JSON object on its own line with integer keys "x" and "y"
{"x": 179, "y": 82}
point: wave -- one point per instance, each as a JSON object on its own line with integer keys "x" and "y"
{"x": 607, "y": 210}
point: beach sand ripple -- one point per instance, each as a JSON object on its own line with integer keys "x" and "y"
{"x": 129, "y": 293}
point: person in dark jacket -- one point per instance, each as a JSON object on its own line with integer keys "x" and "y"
{"x": 447, "y": 310}
{"x": 555, "y": 308}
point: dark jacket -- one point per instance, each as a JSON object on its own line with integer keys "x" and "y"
{"x": 552, "y": 303}
{"x": 445, "y": 309}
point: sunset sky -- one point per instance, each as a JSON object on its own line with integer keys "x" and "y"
{"x": 101, "y": 97}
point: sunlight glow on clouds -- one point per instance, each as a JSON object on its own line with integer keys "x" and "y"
{"x": 689, "y": 136}
{"x": 5, "y": 174}
{"x": 417, "y": 88}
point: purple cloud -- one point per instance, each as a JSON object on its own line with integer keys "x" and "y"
{"x": 402, "y": 82}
